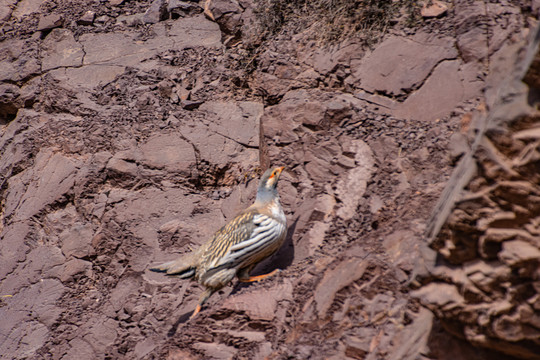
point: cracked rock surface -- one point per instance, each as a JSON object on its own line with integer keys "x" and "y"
{"x": 130, "y": 131}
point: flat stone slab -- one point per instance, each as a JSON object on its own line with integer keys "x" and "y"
{"x": 60, "y": 49}
{"x": 440, "y": 94}
{"x": 398, "y": 65}
{"x": 260, "y": 304}
{"x": 127, "y": 50}
{"x": 52, "y": 176}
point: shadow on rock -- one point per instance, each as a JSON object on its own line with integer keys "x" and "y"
{"x": 445, "y": 346}
{"x": 181, "y": 320}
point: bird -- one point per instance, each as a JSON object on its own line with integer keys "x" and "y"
{"x": 253, "y": 235}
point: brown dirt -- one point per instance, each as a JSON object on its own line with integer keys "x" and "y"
{"x": 130, "y": 138}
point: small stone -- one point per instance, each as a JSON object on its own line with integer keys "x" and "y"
{"x": 156, "y": 12}
{"x": 102, "y": 19}
{"x": 457, "y": 146}
{"x": 440, "y": 295}
{"x": 87, "y": 18}
{"x": 116, "y": 2}
{"x": 433, "y": 9}
{"x": 216, "y": 351}
{"x": 74, "y": 267}
{"x": 165, "y": 88}
{"x": 179, "y": 8}
{"x": 183, "y": 94}
{"x": 177, "y": 354}
{"x": 518, "y": 251}
{"x": 49, "y": 22}
{"x": 356, "y": 348}
{"x": 191, "y": 104}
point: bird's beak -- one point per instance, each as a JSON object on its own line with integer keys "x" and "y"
{"x": 279, "y": 170}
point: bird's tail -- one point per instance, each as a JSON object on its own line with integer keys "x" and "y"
{"x": 183, "y": 267}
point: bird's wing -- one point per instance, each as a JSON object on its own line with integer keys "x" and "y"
{"x": 248, "y": 233}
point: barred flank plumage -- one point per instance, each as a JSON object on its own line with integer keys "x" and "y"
{"x": 235, "y": 249}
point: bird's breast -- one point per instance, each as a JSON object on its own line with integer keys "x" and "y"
{"x": 277, "y": 212}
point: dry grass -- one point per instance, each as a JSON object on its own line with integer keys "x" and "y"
{"x": 331, "y": 20}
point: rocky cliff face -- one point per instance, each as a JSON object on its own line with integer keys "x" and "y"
{"x": 485, "y": 283}
{"x": 130, "y": 131}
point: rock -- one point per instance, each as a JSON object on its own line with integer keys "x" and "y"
{"x": 156, "y": 12}
{"x": 457, "y": 146}
{"x": 260, "y": 304}
{"x": 239, "y": 198}
{"x": 116, "y": 2}
{"x": 356, "y": 348}
{"x": 121, "y": 166}
{"x": 379, "y": 71}
{"x": 12, "y": 250}
{"x": 510, "y": 328}
{"x": 440, "y": 295}
{"x": 516, "y": 252}
{"x": 272, "y": 126}
{"x": 29, "y": 329}
{"x": 77, "y": 240}
{"x": 265, "y": 349}
{"x": 191, "y": 104}
{"x": 17, "y": 63}
{"x": 80, "y": 349}
{"x": 471, "y": 39}
{"x": 433, "y": 8}
{"x": 171, "y": 227}
{"x": 427, "y": 104}
{"x": 125, "y": 49}
{"x": 216, "y": 351}
{"x": 236, "y": 121}
{"x": 49, "y": 22}
{"x": 485, "y": 275}
{"x": 74, "y": 267}
{"x": 414, "y": 339}
{"x": 87, "y": 18}
{"x": 56, "y": 178}
{"x": 221, "y": 145}
{"x": 170, "y": 152}
{"x": 9, "y": 102}
{"x": 350, "y": 190}
{"x": 315, "y": 214}
{"x": 182, "y": 8}
{"x": 144, "y": 347}
{"x": 311, "y": 115}
{"x": 60, "y": 49}
{"x": 130, "y": 20}
{"x": 472, "y": 45}
{"x": 6, "y": 9}
{"x": 334, "y": 280}
{"x": 26, "y": 7}
{"x": 35, "y": 337}
{"x": 177, "y": 354}
{"x": 102, "y": 334}
{"x": 253, "y": 336}
{"x": 400, "y": 247}
{"x": 337, "y": 110}
{"x": 103, "y": 19}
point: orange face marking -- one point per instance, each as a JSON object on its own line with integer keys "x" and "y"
{"x": 273, "y": 177}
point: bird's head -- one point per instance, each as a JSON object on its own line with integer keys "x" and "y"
{"x": 268, "y": 185}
